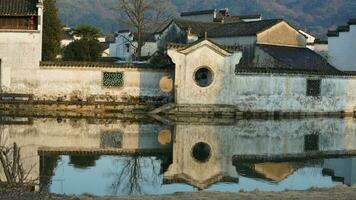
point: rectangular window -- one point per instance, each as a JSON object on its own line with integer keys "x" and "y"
{"x": 20, "y": 23}
{"x": 311, "y": 142}
{"x": 113, "y": 79}
{"x": 127, "y": 48}
{"x": 314, "y": 88}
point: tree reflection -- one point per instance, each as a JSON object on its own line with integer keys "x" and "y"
{"x": 134, "y": 173}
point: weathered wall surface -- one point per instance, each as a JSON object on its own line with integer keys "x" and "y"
{"x": 342, "y": 50}
{"x": 187, "y": 91}
{"x": 282, "y": 34}
{"x": 267, "y": 137}
{"x": 68, "y": 83}
{"x": 288, "y": 93}
{"x": 19, "y": 50}
{"x": 77, "y": 134}
{"x": 257, "y": 92}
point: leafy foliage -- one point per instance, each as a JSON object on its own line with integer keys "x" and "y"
{"x": 87, "y": 48}
{"x": 87, "y": 32}
{"x": 160, "y": 59}
{"x": 52, "y": 31}
{"x": 83, "y": 50}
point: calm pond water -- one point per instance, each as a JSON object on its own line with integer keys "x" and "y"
{"x": 121, "y": 157}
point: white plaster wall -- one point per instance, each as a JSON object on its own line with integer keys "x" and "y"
{"x": 18, "y": 50}
{"x": 52, "y": 83}
{"x": 74, "y": 134}
{"x": 288, "y": 93}
{"x": 148, "y": 49}
{"x": 119, "y": 48}
{"x": 267, "y": 137}
{"x": 342, "y": 50}
{"x": 257, "y": 92}
{"x": 187, "y": 91}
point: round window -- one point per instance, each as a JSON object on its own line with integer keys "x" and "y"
{"x": 203, "y": 77}
{"x": 201, "y": 152}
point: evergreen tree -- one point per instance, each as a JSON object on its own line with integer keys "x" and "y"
{"x": 83, "y": 50}
{"x": 52, "y": 31}
{"x": 88, "y": 48}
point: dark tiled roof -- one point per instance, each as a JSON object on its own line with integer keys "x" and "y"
{"x": 198, "y": 28}
{"x": 180, "y": 47}
{"x": 228, "y": 19}
{"x": 352, "y": 21}
{"x": 250, "y": 16}
{"x": 147, "y": 37}
{"x": 201, "y": 12}
{"x": 320, "y": 41}
{"x": 296, "y": 59}
{"x": 344, "y": 28}
{"x": 332, "y": 33}
{"x": 75, "y": 64}
{"x": 18, "y": 7}
{"x": 242, "y": 28}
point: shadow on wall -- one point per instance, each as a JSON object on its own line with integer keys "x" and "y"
{"x": 163, "y": 84}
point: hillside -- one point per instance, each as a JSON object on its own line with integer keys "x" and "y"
{"x": 315, "y": 16}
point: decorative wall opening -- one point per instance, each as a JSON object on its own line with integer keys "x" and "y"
{"x": 203, "y": 77}
{"x": 113, "y": 79}
{"x": 201, "y": 152}
{"x": 311, "y": 142}
{"x": 314, "y": 88}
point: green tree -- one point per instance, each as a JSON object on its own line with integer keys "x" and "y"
{"x": 87, "y": 32}
{"x": 83, "y": 50}
{"x": 87, "y": 48}
{"x": 52, "y": 31}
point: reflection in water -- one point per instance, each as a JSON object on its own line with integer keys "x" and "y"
{"x": 83, "y": 161}
{"x": 155, "y": 158}
{"x": 133, "y": 174}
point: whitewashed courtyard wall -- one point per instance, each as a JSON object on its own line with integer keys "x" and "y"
{"x": 68, "y": 83}
{"x": 342, "y": 50}
{"x": 256, "y": 91}
{"x": 19, "y": 51}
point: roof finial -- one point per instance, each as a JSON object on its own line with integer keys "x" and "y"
{"x": 206, "y": 35}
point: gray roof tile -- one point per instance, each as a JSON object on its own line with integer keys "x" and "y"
{"x": 18, "y": 7}
{"x": 242, "y": 28}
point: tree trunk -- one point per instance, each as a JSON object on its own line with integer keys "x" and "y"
{"x": 139, "y": 44}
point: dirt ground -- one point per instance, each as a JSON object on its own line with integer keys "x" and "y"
{"x": 339, "y": 193}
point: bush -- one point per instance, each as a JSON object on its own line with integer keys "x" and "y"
{"x": 83, "y": 50}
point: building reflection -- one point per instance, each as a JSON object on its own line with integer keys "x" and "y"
{"x": 200, "y": 155}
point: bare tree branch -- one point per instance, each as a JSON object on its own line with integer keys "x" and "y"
{"x": 145, "y": 16}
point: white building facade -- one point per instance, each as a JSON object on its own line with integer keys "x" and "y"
{"x": 342, "y": 46}
{"x": 125, "y": 46}
{"x": 21, "y": 46}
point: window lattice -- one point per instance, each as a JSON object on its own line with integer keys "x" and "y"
{"x": 313, "y": 88}
{"x": 113, "y": 79}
